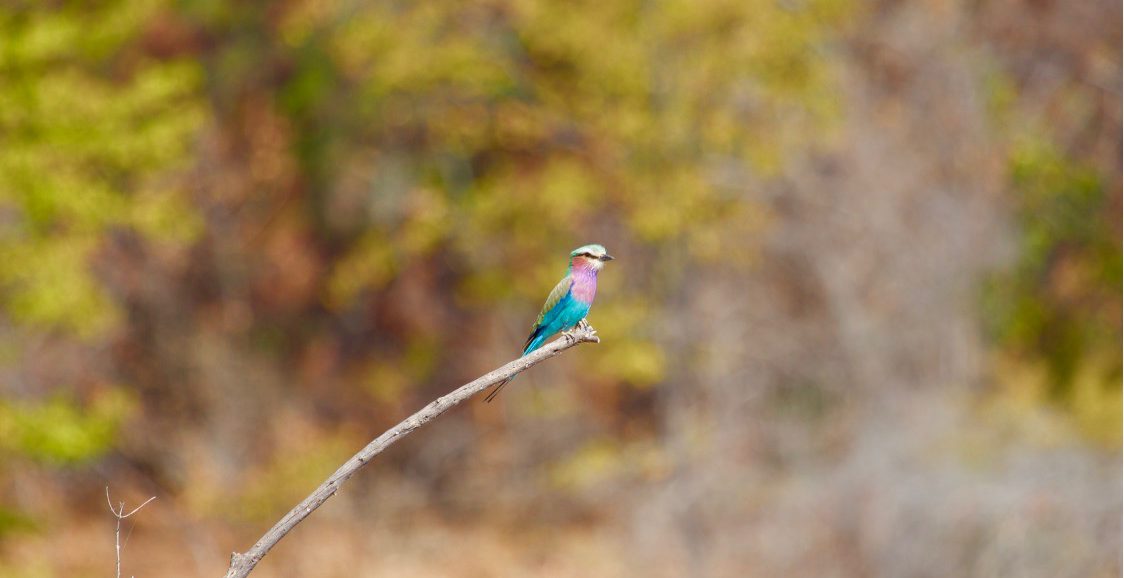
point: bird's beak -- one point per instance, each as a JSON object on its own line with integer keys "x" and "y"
{"x": 606, "y": 257}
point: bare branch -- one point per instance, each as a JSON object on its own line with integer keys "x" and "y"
{"x": 242, "y": 564}
{"x": 119, "y": 513}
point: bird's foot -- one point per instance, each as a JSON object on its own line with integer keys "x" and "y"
{"x": 588, "y": 329}
{"x": 583, "y": 331}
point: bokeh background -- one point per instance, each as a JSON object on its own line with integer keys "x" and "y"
{"x": 865, "y": 318}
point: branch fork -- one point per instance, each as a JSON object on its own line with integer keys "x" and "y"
{"x": 119, "y": 513}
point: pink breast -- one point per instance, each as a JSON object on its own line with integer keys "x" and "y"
{"x": 585, "y": 284}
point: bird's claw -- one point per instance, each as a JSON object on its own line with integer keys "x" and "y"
{"x": 582, "y": 330}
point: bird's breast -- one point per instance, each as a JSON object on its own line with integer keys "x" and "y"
{"x": 584, "y": 287}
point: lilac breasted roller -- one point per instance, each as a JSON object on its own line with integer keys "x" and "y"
{"x": 568, "y": 303}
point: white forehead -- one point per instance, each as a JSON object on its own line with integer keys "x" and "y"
{"x": 593, "y": 249}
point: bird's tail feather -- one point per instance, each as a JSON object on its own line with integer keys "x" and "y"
{"x": 495, "y": 391}
{"x": 534, "y": 342}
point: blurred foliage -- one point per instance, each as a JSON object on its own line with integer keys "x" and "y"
{"x": 348, "y": 155}
{"x": 1016, "y": 407}
{"x": 287, "y": 479}
{"x": 599, "y": 460}
{"x": 488, "y": 135}
{"x": 88, "y": 137}
{"x": 364, "y": 200}
{"x": 1060, "y": 304}
{"x": 58, "y": 432}
{"x": 92, "y": 140}
{"x": 13, "y": 522}
{"x": 38, "y": 569}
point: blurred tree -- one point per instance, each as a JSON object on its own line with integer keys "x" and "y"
{"x": 240, "y": 226}
{"x": 1057, "y": 309}
{"x": 386, "y": 174}
{"x": 494, "y": 133}
{"x": 1059, "y": 305}
{"x": 1061, "y": 302}
{"x": 92, "y": 140}
{"x": 89, "y": 137}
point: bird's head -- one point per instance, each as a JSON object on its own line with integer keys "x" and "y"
{"x": 592, "y": 256}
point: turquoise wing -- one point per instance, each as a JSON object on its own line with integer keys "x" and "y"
{"x": 549, "y": 309}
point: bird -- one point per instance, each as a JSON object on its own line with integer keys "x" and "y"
{"x": 568, "y": 303}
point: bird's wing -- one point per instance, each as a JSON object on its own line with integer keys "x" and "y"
{"x": 548, "y": 309}
{"x": 560, "y": 290}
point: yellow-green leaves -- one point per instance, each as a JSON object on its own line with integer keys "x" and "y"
{"x": 91, "y": 142}
{"x": 59, "y": 431}
{"x": 1057, "y": 310}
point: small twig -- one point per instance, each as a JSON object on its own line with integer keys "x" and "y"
{"x": 119, "y": 513}
{"x": 242, "y": 564}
